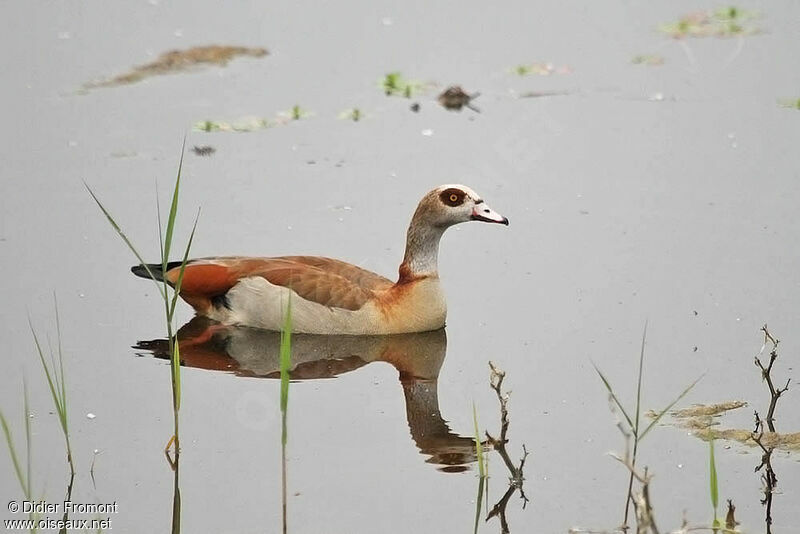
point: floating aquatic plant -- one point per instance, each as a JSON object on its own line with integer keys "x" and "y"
{"x": 295, "y": 114}
{"x": 539, "y": 69}
{"x": 179, "y": 61}
{"x": 648, "y": 59}
{"x": 246, "y": 124}
{"x": 352, "y": 114}
{"x": 728, "y": 21}
{"x": 793, "y": 103}
{"x": 394, "y": 84}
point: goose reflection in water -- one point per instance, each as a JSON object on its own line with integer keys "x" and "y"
{"x": 418, "y": 357}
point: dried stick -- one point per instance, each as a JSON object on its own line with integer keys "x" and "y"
{"x": 775, "y": 393}
{"x": 768, "y": 477}
{"x": 499, "y": 444}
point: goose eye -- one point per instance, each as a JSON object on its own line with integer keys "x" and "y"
{"x": 451, "y": 197}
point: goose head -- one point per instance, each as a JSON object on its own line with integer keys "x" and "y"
{"x": 452, "y": 204}
{"x": 438, "y": 210}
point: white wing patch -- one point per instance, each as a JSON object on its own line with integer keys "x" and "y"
{"x": 254, "y": 301}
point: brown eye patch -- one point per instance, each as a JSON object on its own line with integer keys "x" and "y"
{"x": 452, "y": 197}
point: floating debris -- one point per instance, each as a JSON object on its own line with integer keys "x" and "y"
{"x": 90, "y": 416}
{"x": 703, "y": 422}
{"x": 414, "y": 107}
{"x": 651, "y": 60}
{"x": 724, "y": 22}
{"x": 205, "y": 150}
{"x": 699, "y": 410}
{"x": 352, "y": 114}
{"x": 773, "y": 440}
{"x": 455, "y": 98}
{"x": 251, "y": 124}
{"x": 247, "y": 124}
{"x": 180, "y": 61}
{"x": 393, "y": 84}
{"x": 294, "y": 114}
{"x": 540, "y": 94}
{"x": 539, "y": 69}
{"x": 120, "y": 154}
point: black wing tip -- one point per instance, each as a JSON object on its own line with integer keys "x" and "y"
{"x": 141, "y": 270}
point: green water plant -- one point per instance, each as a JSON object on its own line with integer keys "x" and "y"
{"x": 394, "y": 84}
{"x": 482, "y": 468}
{"x": 23, "y": 474}
{"x": 352, "y": 114}
{"x": 713, "y": 484}
{"x": 539, "y": 69}
{"x": 55, "y": 380}
{"x": 298, "y": 113}
{"x": 730, "y": 21}
{"x": 169, "y": 295}
{"x": 651, "y": 60}
{"x": 246, "y": 124}
{"x": 634, "y": 423}
{"x": 285, "y": 367}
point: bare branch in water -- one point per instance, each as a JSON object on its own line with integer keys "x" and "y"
{"x": 768, "y": 476}
{"x": 516, "y": 477}
{"x": 766, "y": 375}
{"x": 499, "y": 444}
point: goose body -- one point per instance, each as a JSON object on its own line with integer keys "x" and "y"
{"x": 330, "y": 296}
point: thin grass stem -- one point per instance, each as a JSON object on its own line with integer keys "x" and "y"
{"x": 285, "y": 367}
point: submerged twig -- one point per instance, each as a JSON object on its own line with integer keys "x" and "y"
{"x": 775, "y": 393}
{"x": 642, "y": 506}
{"x": 768, "y": 476}
{"x": 516, "y": 478}
{"x": 499, "y": 444}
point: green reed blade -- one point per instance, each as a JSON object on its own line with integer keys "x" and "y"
{"x": 119, "y": 231}
{"x": 176, "y": 373}
{"x": 658, "y": 417}
{"x": 613, "y": 395}
{"x": 60, "y": 379}
{"x": 50, "y": 380}
{"x": 478, "y": 444}
{"x": 478, "y": 502}
{"x": 173, "y": 211}
{"x": 179, "y": 281}
{"x": 713, "y": 483}
{"x": 13, "y": 453}
{"x": 160, "y": 227}
{"x": 286, "y": 354}
{"x": 639, "y": 384}
{"x": 27, "y": 435}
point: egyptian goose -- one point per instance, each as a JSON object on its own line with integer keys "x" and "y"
{"x": 255, "y": 353}
{"x": 330, "y": 296}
